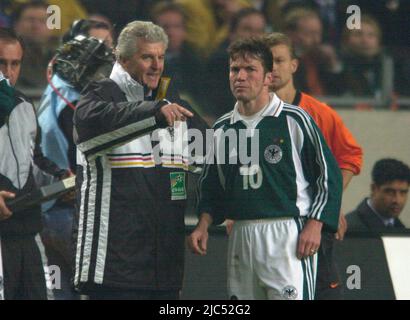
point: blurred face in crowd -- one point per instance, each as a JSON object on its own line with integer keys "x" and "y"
{"x": 284, "y": 66}
{"x": 390, "y": 198}
{"x": 248, "y": 78}
{"x": 11, "y": 54}
{"x": 103, "y": 35}
{"x": 308, "y": 34}
{"x": 251, "y": 25}
{"x": 365, "y": 41}
{"x": 32, "y": 25}
{"x": 226, "y": 7}
{"x": 173, "y": 24}
{"x": 147, "y": 64}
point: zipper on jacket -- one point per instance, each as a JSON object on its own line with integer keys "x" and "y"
{"x": 14, "y": 152}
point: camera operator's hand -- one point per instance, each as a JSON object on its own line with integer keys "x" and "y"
{"x": 69, "y": 197}
{"x": 5, "y": 212}
{"x": 172, "y": 112}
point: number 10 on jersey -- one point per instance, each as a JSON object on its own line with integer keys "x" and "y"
{"x": 252, "y": 176}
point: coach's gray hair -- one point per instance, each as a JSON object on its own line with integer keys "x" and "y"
{"x": 127, "y": 41}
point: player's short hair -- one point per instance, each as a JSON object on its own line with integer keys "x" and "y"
{"x": 9, "y": 36}
{"x": 277, "y": 38}
{"x": 387, "y": 170}
{"x": 127, "y": 40}
{"x": 254, "y": 47}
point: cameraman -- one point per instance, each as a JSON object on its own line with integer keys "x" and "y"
{"x": 55, "y": 119}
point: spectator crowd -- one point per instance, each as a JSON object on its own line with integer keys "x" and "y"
{"x": 335, "y": 60}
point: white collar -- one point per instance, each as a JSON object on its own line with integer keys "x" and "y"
{"x": 133, "y": 90}
{"x": 273, "y": 109}
{"x": 386, "y": 221}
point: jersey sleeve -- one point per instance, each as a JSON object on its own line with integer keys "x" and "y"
{"x": 343, "y": 145}
{"x": 211, "y": 191}
{"x": 323, "y": 174}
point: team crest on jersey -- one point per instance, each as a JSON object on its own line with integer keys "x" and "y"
{"x": 289, "y": 293}
{"x": 273, "y": 154}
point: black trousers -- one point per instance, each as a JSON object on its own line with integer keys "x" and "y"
{"x": 328, "y": 283}
{"x": 23, "y": 271}
{"x": 125, "y": 294}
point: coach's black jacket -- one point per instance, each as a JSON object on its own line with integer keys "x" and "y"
{"x": 130, "y": 233}
{"x": 19, "y": 151}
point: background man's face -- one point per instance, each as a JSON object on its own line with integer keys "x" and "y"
{"x": 11, "y": 54}
{"x": 390, "y": 198}
{"x": 173, "y": 24}
{"x": 32, "y": 25}
{"x": 308, "y": 34}
{"x": 103, "y": 35}
{"x": 365, "y": 42}
{"x": 147, "y": 64}
{"x": 251, "y": 25}
{"x": 283, "y": 67}
{"x": 247, "y": 78}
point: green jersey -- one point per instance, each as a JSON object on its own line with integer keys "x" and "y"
{"x": 294, "y": 173}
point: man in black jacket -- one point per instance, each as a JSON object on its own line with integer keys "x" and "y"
{"x": 131, "y": 180}
{"x": 389, "y": 190}
{"x": 22, "y": 276}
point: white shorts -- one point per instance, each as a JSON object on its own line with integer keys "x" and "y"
{"x": 262, "y": 261}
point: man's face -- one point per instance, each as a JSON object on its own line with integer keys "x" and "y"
{"x": 173, "y": 24}
{"x": 308, "y": 34}
{"x": 283, "y": 67}
{"x": 147, "y": 64}
{"x": 251, "y": 25}
{"x": 103, "y": 35}
{"x": 32, "y": 25}
{"x": 365, "y": 41}
{"x": 390, "y": 198}
{"x": 11, "y": 54}
{"x": 247, "y": 78}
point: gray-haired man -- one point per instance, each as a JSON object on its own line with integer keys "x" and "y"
{"x": 130, "y": 232}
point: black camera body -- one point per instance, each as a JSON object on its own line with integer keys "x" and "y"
{"x": 82, "y": 60}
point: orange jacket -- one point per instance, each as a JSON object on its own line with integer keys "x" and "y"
{"x": 347, "y": 152}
